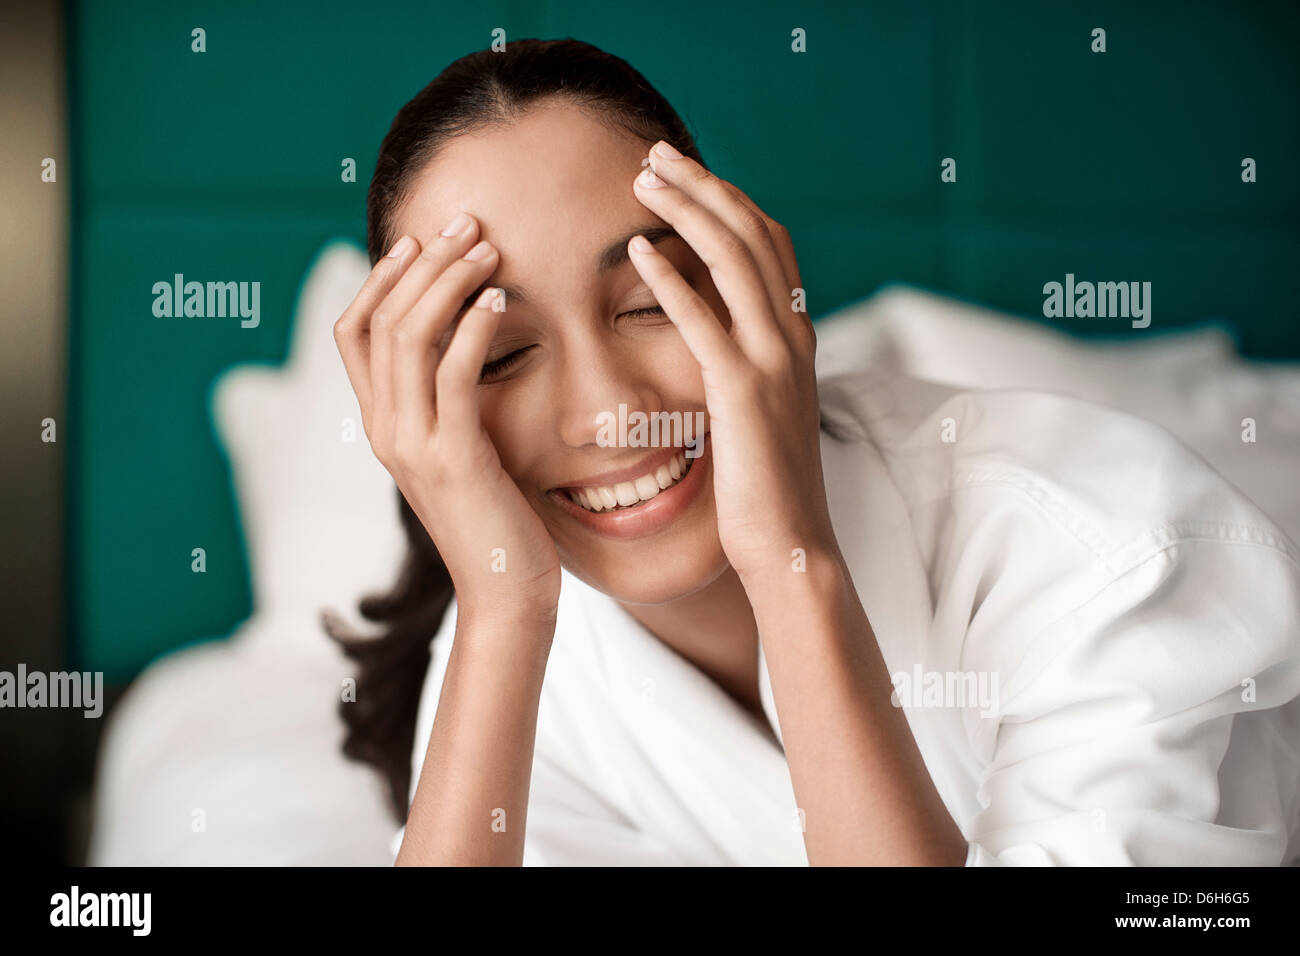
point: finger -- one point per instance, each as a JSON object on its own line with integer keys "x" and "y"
{"x": 462, "y": 365}
{"x": 352, "y": 330}
{"x": 779, "y": 234}
{"x": 787, "y": 315}
{"x": 736, "y": 211}
{"x": 704, "y": 335}
{"x": 417, "y": 336}
{"x": 434, "y": 257}
{"x": 728, "y": 257}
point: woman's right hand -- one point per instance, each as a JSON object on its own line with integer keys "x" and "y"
{"x": 418, "y": 391}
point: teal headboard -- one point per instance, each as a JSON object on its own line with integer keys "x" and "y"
{"x": 225, "y": 165}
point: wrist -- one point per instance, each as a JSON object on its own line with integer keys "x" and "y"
{"x": 816, "y": 609}
{"x": 816, "y": 566}
{"x": 517, "y": 601}
{"x": 810, "y": 586}
{"x": 514, "y": 626}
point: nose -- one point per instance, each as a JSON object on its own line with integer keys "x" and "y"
{"x": 598, "y": 375}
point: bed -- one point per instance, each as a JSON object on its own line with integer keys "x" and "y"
{"x": 228, "y": 753}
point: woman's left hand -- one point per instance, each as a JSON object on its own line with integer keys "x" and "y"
{"x": 759, "y": 380}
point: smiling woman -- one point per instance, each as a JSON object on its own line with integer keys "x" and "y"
{"x": 654, "y": 657}
{"x": 589, "y": 117}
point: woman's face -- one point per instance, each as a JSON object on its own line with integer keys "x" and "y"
{"x": 553, "y": 193}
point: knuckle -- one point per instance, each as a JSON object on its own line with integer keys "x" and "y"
{"x": 733, "y": 246}
{"x": 701, "y": 175}
{"x": 403, "y": 334}
{"x": 778, "y": 362}
{"x": 752, "y": 224}
{"x": 384, "y": 319}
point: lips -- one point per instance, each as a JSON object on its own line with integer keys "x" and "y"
{"x": 629, "y": 494}
{"x": 645, "y": 511}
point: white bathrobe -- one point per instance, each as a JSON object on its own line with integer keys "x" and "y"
{"x": 1138, "y": 617}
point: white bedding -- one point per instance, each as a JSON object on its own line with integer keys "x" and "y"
{"x": 246, "y": 730}
{"x": 1191, "y": 382}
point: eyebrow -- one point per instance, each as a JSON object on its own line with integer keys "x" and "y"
{"x": 615, "y": 253}
{"x": 613, "y": 256}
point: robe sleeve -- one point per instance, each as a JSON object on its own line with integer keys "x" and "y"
{"x": 569, "y": 825}
{"x": 1111, "y": 742}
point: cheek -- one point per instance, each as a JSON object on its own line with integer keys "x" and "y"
{"x": 659, "y": 363}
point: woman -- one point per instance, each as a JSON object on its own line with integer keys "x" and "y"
{"x": 942, "y": 628}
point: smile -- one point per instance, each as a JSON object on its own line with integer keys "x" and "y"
{"x": 643, "y": 499}
{"x": 629, "y": 494}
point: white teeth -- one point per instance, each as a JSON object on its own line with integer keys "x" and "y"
{"x": 646, "y": 487}
{"x": 627, "y": 493}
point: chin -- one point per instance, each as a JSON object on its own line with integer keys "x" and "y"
{"x": 642, "y": 573}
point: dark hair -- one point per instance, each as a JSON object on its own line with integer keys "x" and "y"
{"x": 478, "y": 91}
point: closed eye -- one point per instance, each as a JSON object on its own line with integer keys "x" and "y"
{"x": 648, "y": 310}
{"x": 506, "y": 362}
{"x": 497, "y": 367}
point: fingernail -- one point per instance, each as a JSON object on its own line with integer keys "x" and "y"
{"x": 666, "y": 151}
{"x": 457, "y": 225}
{"x": 400, "y": 248}
{"x": 648, "y": 179}
{"x": 641, "y": 244}
{"x": 487, "y": 298}
{"x": 480, "y": 251}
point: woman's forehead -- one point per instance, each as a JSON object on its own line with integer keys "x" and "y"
{"x": 550, "y": 192}
{"x": 555, "y": 175}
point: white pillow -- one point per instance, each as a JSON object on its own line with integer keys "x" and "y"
{"x": 243, "y": 735}
{"x": 319, "y": 512}
{"x": 1189, "y": 381}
